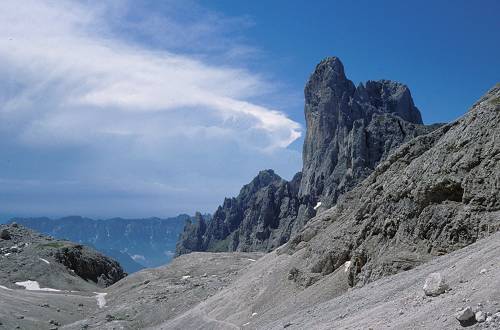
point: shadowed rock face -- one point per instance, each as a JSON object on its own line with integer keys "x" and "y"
{"x": 90, "y": 265}
{"x": 191, "y": 239}
{"x": 260, "y": 218}
{"x": 349, "y": 131}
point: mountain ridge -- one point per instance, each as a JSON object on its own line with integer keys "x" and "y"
{"x": 137, "y": 243}
{"x": 349, "y": 130}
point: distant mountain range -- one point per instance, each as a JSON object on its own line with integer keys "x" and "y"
{"x": 135, "y": 243}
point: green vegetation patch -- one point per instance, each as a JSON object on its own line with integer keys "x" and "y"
{"x": 55, "y": 245}
{"x": 495, "y": 101}
{"x": 220, "y": 246}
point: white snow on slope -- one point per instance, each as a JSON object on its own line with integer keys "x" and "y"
{"x": 44, "y": 260}
{"x": 5, "y": 288}
{"x": 34, "y": 286}
{"x": 317, "y": 205}
{"x": 101, "y": 299}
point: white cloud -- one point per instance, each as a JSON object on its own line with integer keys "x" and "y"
{"x": 104, "y": 121}
{"x": 61, "y": 51}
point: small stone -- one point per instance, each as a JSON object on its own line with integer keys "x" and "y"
{"x": 435, "y": 285}
{"x": 465, "y": 314}
{"x": 480, "y": 316}
{"x": 483, "y": 271}
{"x": 14, "y": 224}
{"x": 54, "y": 322}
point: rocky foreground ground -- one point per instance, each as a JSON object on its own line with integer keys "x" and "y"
{"x": 45, "y": 283}
{"x": 211, "y": 291}
{"x": 233, "y": 291}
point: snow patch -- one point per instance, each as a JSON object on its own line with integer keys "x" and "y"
{"x": 317, "y": 205}
{"x": 250, "y": 259}
{"x": 246, "y": 324}
{"x": 137, "y": 257}
{"x": 5, "y": 288}
{"x": 347, "y": 265}
{"x": 7, "y": 254}
{"x": 34, "y": 286}
{"x": 44, "y": 260}
{"x": 253, "y": 314}
{"x": 101, "y": 299}
{"x": 185, "y": 277}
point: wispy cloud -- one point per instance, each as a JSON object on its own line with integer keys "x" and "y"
{"x": 77, "y": 75}
{"x": 57, "y": 48}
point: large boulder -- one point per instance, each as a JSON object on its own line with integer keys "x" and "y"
{"x": 435, "y": 285}
{"x": 90, "y": 265}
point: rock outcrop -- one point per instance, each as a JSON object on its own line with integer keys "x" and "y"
{"x": 90, "y": 265}
{"x": 260, "y": 218}
{"x": 57, "y": 264}
{"x": 433, "y": 195}
{"x": 191, "y": 239}
{"x": 349, "y": 131}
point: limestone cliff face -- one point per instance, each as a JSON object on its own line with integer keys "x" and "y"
{"x": 433, "y": 195}
{"x": 349, "y": 130}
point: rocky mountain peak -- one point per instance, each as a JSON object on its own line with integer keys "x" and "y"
{"x": 391, "y": 97}
{"x": 263, "y": 179}
{"x": 349, "y": 132}
{"x": 349, "y": 129}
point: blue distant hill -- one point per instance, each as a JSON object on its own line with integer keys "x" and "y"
{"x": 135, "y": 243}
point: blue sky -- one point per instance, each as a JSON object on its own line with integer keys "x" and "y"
{"x": 154, "y": 108}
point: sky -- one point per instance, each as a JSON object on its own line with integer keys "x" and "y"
{"x": 155, "y": 108}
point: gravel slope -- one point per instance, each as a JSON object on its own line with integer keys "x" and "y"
{"x": 394, "y": 302}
